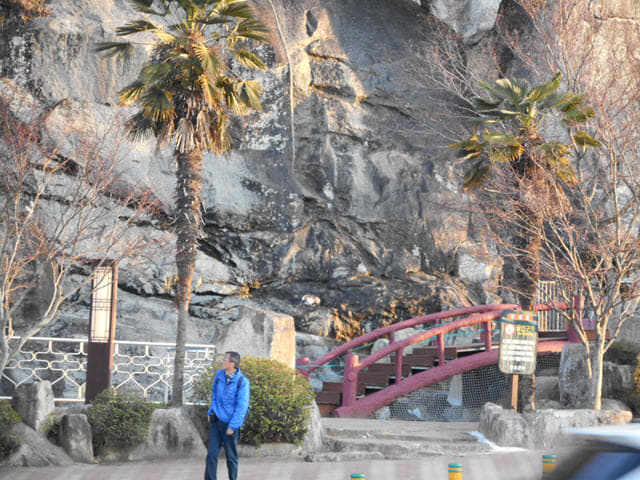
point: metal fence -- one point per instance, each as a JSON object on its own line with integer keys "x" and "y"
{"x": 138, "y": 367}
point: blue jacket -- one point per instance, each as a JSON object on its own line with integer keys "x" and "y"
{"x": 230, "y": 402}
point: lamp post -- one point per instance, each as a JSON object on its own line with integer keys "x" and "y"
{"x": 102, "y": 328}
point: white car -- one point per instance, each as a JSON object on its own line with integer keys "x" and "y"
{"x": 604, "y": 453}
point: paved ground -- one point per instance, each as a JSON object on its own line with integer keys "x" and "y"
{"x": 497, "y": 466}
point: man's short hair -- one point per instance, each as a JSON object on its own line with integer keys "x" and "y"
{"x": 234, "y": 357}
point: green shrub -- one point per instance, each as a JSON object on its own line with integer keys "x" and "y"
{"x": 278, "y": 406}
{"x": 119, "y": 420}
{"x": 622, "y": 353}
{"x": 9, "y": 443}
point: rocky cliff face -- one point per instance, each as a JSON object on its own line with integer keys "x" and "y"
{"x": 338, "y": 205}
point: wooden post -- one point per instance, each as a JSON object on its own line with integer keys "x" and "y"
{"x": 350, "y": 384}
{"x": 440, "y": 345}
{"x": 514, "y": 392}
{"x": 399, "y": 365}
{"x": 486, "y": 335}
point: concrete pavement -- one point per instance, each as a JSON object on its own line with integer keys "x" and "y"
{"x": 514, "y": 465}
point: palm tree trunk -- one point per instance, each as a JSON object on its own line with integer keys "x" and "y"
{"x": 188, "y": 225}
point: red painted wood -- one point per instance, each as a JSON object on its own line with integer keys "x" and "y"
{"x": 384, "y": 331}
{"x": 369, "y": 404}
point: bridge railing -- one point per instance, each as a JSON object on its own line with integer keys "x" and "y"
{"x": 145, "y": 368}
{"x": 481, "y": 316}
{"x": 305, "y": 367}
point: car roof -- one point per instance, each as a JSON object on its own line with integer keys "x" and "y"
{"x": 627, "y": 435}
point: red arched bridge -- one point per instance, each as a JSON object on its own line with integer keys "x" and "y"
{"x": 439, "y": 361}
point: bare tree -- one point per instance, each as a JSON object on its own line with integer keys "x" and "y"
{"x": 587, "y": 242}
{"x": 59, "y": 215}
{"x": 591, "y": 246}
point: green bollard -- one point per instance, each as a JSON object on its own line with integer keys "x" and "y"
{"x": 548, "y": 464}
{"x": 455, "y": 471}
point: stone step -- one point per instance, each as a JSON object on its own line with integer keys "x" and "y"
{"x": 353, "y": 439}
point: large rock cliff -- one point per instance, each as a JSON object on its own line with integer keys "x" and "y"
{"x": 338, "y": 205}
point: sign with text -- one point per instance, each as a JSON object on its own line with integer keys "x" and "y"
{"x": 518, "y": 342}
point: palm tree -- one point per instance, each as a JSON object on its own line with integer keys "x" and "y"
{"x": 186, "y": 92}
{"x": 515, "y": 120}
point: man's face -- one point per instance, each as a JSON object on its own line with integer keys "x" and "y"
{"x": 226, "y": 362}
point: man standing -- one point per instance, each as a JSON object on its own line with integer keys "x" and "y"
{"x": 229, "y": 405}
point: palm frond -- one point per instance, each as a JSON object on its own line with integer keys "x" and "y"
{"x": 157, "y": 104}
{"x": 209, "y": 59}
{"x": 544, "y": 90}
{"x": 135, "y": 27}
{"x": 506, "y": 153}
{"x": 236, "y": 8}
{"x": 123, "y": 51}
{"x": 211, "y": 93}
{"x": 569, "y": 101}
{"x": 249, "y": 93}
{"x": 484, "y": 106}
{"x": 476, "y": 176}
{"x": 139, "y": 127}
{"x": 251, "y": 30}
{"x": 584, "y": 140}
{"x": 154, "y": 73}
{"x": 508, "y": 89}
{"x": 221, "y": 140}
{"x": 131, "y": 93}
{"x": 248, "y": 59}
{"x": 497, "y": 138}
{"x": 184, "y": 136}
{"x": 578, "y": 115}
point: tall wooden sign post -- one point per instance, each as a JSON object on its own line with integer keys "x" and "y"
{"x": 102, "y": 329}
{"x": 518, "y": 347}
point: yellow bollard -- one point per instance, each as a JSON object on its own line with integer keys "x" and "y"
{"x": 357, "y": 475}
{"x": 455, "y": 471}
{"x": 548, "y": 463}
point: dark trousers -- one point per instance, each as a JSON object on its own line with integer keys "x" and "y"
{"x": 217, "y": 438}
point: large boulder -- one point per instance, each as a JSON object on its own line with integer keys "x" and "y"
{"x": 573, "y": 381}
{"x": 75, "y": 437}
{"x": 172, "y": 435}
{"x": 504, "y": 427}
{"x": 542, "y": 428}
{"x": 617, "y": 380}
{"x": 469, "y": 18}
{"x": 35, "y": 450}
{"x": 34, "y": 402}
{"x": 260, "y": 333}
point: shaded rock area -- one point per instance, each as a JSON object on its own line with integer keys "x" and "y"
{"x": 75, "y": 437}
{"x": 35, "y": 450}
{"x": 172, "y": 435}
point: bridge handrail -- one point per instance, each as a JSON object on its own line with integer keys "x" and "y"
{"x": 443, "y": 329}
{"x": 353, "y": 367}
{"x": 383, "y": 331}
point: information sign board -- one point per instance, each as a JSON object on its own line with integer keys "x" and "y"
{"x": 518, "y": 342}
